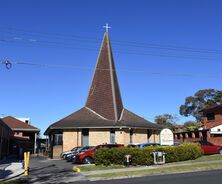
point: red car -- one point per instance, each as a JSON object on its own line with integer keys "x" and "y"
{"x": 209, "y": 148}
{"x": 87, "y": 157}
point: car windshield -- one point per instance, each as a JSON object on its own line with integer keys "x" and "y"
{"x": 149, "y": 144}
{"x": 75, "y": 149}
{"x": 86, "y": 148}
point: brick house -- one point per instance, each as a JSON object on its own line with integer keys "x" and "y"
{"x": 24, "y": 136}
{"x": 6, "y": 136}
{"x": 103, "y": 119}
{"x": 212, "y": 122}
{"x": 211, "y": 130}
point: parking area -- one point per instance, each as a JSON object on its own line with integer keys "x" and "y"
{"x": 52, "y": 171}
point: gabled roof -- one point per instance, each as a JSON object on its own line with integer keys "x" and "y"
{"x": 17, "y": 125}
{"x": 104, "y": 95}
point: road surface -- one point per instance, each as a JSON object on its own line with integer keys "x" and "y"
{"x": 206, "y": 177}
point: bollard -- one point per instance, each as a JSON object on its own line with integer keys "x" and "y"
{"x": 28, "y": 160}
{"x": 26, "y": 163}
{"x": 76, "y": 169}
{"x": 128, "y": 160}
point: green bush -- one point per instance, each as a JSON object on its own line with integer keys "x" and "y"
{"x": 143, "y": 156}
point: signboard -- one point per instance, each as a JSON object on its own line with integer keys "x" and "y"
{"x": 166, "y": 137}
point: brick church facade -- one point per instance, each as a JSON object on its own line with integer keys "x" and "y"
{"x": 103, "y": 119}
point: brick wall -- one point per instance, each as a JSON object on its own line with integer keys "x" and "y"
{"x": 99, "y": 136}
{"x": 71, "y": 139}
{"x": 126, "y": 135}
{"x": 120, "y": 136}
{"x": 139, "y": 135}
{"x": 57, "y": 150}
{"x": 5, "y": 136}
{"x": 213, "y": 123}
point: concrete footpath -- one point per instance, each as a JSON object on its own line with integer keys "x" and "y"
{"x": 10, "y": 170}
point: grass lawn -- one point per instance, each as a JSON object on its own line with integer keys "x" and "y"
{"x": 159, "y": 171}
{"x": 204, "y": 158}
{"x": 99, "y": 167}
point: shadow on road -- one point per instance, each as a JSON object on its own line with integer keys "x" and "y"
{"x": 4, "y": 174}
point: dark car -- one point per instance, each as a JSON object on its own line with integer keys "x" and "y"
{"x": 64, "y": 154}
{"x": 209, "y": 148}
{"x": 88, "y": 156}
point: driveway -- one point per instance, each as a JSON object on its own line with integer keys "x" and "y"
{"x": 52, "y": 171}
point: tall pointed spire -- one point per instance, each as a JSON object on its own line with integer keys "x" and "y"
{"x": 104, "y": 95}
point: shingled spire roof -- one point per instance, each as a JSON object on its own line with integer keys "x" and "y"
{"x": 104, "y": 107}
{"x": 104, "y": 95}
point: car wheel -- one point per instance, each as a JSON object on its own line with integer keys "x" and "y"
{"x": 87, "y": 160}
{"x": 220, "y": 151}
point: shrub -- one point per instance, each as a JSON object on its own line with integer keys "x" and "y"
{"x": 143, "y": 156}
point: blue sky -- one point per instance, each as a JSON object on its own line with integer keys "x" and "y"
{"x": 164, "y": 51}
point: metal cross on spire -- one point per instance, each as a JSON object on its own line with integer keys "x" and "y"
{"x": 107, "y": 27}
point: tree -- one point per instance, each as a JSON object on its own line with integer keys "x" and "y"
{"x": 166, "y": 120}
{"x": 191, "y": 125}
{"x": 201, "y": 99}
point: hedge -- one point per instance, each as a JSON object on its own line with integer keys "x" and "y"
{"x": 143, "y": 156}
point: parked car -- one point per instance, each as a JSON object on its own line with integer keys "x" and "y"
{"x": 72, "y": 156}
{"x": 87, "y": 157}
{"x": 143, "y": 145}
{"x": 209, "y": 148}
{"x": 64, "y": 154}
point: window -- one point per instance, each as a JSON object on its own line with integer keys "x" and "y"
{"x": 112, "y": 136}
{"x": 85, "y": 137}
{"x": 58, "y": 139}
{"x": 148, "y": 135}
{"x": 131, "y": 135}
{"x": 210, "y": 116}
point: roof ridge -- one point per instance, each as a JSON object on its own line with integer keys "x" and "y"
{"x": 31, "y": 127}
{"x": 104, "y": 94}
{"x": 95, "y": 113}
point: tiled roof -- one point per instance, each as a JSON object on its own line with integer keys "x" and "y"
{"x": 215, "y": 107}
{"x": 16, "y": 124}
{"x": 86, "y": 118}
{"x": 130, "y": 119}
{"x": 104, "y": 95}
{"x": 7, "y": 130}
{"x": 104, "y": 107}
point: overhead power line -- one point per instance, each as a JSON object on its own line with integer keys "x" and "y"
{"x": 130, "y": 52}
{"x": 14, "y": 31}
{"x": 8, "y": 64}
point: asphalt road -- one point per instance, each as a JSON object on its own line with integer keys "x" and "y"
{"x": 206, "y": 177}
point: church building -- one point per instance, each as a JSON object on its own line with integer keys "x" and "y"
{"x": 103, "y": 119}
